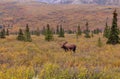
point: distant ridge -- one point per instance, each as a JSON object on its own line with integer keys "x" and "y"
{"x": 17, "y": 1}
{"x": 100, "y": 2}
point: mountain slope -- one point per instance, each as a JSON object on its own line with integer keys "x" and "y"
{"x": 38, "y": 15}
{"x": 102, "y": 2}
{"x": 16, "y": 1}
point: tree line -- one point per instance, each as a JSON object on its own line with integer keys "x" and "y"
{"x": 111, "y": 33}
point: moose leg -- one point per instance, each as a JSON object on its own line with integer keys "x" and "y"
{"x": 70, "y": 49}
{"x": 66, "y": 49}
{"x": 74, "y": 49}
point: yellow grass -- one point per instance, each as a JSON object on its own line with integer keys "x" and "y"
{"x": 20, "y": 60}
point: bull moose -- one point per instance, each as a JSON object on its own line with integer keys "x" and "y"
{"x": 69, "y": 47}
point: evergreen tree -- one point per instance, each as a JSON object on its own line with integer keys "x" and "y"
{"x": 106, "y": 31}
{"x": 79, "y": 32}
{"x": 20, "y": 36}
{"x": 48, "y": 33}
{"x": 7, "y": 32}
{"x": 27, "y": 34}
{"x": 87, "y": 31}
{"x": 61, "y": 32}
{"x": 114, "y": 32}
{"x": 97, "y": 31}
{"x": 2, "y": 34}
{"x": 57, "y": 30}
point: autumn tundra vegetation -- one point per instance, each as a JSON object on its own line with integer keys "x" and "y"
{"x": 38, "y": 55}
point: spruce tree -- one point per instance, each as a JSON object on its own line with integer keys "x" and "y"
{"x": 48, "y": 33}
{"x": 20, "y": 36}
{"x": 7, "y": 32}
{"x": 27, "y": 34}
{"x": 114, "y": 32}
{"x": 87, "y": 31}
{"x": 79, "y": 32}
{"x": 57, "y": 29}
{"x": 106, "y": 31}
{"x": 2, "y": 34}
{"x": 61, "y": 32}
{"x": 97, "y": 31}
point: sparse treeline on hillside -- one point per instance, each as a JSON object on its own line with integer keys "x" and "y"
{"x": 111, "y": 33}
{"x": 26, "y": 36}
{"x": 3, "y": 33}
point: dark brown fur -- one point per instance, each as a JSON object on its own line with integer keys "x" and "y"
{"x": 68, "y": 47}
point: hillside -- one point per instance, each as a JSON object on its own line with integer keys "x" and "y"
{"x": 39, "y": 14}
{"x": 100, "y": 2}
